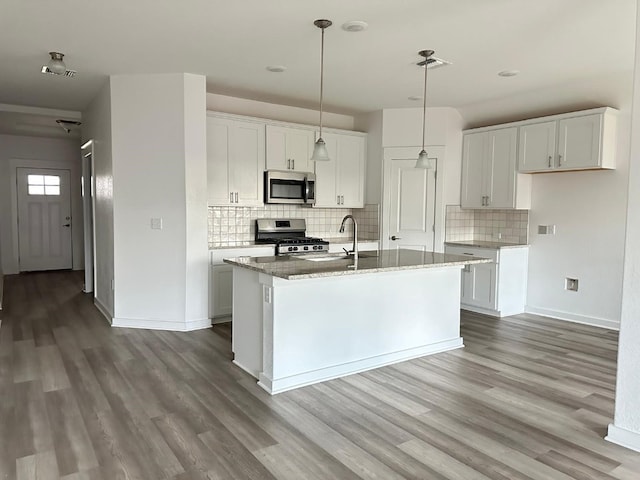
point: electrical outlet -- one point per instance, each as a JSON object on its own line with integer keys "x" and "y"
{"x": 546, "y": 229}
{"x": 267, "y": 294}
{"x": 571, "y": 284}
{"x": 156, "y": 223}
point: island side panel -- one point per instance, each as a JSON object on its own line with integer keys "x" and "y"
{"x": 246, "y": 324}
{"x": 325, "y": 328}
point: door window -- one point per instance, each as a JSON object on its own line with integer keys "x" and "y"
{"x": 43, "y": 184}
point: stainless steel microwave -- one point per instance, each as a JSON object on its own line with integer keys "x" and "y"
{"x": 289, "y": 187}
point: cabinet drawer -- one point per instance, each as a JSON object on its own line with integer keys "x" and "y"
{"x": 492, "y": 253}
{"x": 219, "y": 254}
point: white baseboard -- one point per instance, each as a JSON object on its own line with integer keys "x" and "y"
{"x": 151, "y": 324}
{"x": 491, "y": 313}
{"x": 280, "y": 385}
{"x": 574, "y": 317}
{"x": 103, "y": 310}
{"x": 623, "y": 437}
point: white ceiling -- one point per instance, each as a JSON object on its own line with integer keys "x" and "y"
{"x": 571, "y": 53}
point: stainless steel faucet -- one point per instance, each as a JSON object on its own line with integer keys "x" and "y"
{"x": 354, "y": 249}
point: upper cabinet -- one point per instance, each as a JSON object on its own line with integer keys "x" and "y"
{"x": 289, "y": 148}
{"x": 340, "y": 181}
{"x": 489, "y": 176}
{"x": 572, "y": 141}
{"x": 235, "y": 162}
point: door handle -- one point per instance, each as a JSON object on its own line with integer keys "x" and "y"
{"x": 66, "y": 225}
{"x": 394, "y": 238}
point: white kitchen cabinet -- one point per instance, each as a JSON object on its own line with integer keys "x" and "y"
{"x": 340, "y": 181}
{"x": 489, "y": 177}
{"x": 572, "y": 141}
{"x": 235, "y": 162}
{"x": 221, "y": 299}
{"x": 221, "y": 278}
{"x": 498, "y": 288}
{"x": 289, "y": 148}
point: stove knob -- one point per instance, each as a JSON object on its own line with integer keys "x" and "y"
{"x": 295, "y": 248}
{"x": 306, "y": 248}
{"x": 290, "y": 248}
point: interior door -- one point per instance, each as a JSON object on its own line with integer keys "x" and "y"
{"x": 44, "y": 219}
{"x": 412, "y": 205}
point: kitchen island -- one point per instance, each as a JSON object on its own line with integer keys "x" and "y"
{"x": 305, "y": 319}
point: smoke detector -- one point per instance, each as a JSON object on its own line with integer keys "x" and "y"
{"x": 56, "y": 66}
{"x": 68, "y": 125}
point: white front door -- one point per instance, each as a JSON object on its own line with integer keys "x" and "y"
{"x": 411, "y": 196}
{"x": 44, "y": 219}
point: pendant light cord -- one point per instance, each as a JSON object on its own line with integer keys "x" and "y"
{"x": 424, "y": 104}
{"x": 321, "y": 78}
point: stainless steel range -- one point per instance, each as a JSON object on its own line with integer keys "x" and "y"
{"x": 289, "y": 236}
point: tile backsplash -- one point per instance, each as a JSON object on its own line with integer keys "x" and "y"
{"x": 228, "y": 226}
{"x": 510, "y": 226}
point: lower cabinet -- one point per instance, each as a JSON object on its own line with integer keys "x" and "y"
{"x": 221, "y": 291}
{"x": 498, "y": 288}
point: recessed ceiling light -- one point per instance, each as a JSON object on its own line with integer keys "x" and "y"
{"x": 414, "y": 98}
{"x": 276, "y": 68}
{"x": 508, "y": 73}
{"x": 355, "y": 26}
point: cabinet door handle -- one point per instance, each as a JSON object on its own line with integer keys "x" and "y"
{"x": 236, "y": 197}
{"x": 549, "y": 161}
{"x": 484, "y": 198}
{"x": 393, "y": 237}
{"x": 230, "y": 197}
{"x": 293, "y": 164}
{"x": 559, "y": 159}
{"x": 488, "y": 201}
{"x": 338, "y": 199}
{"x": 288, "y": 164}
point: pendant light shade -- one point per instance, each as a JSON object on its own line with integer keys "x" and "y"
{"x": 320, "y": 153}
{"x": 56, "y": 65}
{"x": 423, "y": 158}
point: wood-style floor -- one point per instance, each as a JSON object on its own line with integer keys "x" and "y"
{"x": 527, "y": 398}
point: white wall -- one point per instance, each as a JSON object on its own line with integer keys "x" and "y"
{"x": 272, "y": 111}
{"x": 588, "y": 209}
{"x": 159, "y": 171}
{"x": 626, "y": 427}
{"x": 39, "y": 153}
{"x": 97, "y": 126}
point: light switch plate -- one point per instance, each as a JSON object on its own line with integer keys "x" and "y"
{"x": 156, "y": 223}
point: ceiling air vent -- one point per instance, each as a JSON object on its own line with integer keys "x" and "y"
{"x": 67, "y": 73}
{"x": 434, "y": 62}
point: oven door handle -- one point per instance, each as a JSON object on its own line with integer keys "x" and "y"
{"x": 305, "y": 195}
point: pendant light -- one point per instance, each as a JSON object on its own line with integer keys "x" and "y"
{"x": 423, "y": 159}
{"x": 320, "y": 153}
{"x": 56, "y": 64}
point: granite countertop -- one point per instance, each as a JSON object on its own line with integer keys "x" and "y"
{"x": 252, "y": 243}
{"x": 485, "y": 244}
{"x": 304, "y": 267}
